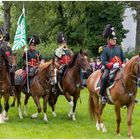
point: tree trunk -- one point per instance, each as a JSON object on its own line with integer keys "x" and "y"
{"x": 137, "y": 48}
{"x": 7, "y": 16}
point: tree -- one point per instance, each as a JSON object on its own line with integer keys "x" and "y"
{"x": 82, "y": 21}
{"x": 6, "y": 9}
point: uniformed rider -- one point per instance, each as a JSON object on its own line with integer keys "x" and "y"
{"x": 112, "y": 57}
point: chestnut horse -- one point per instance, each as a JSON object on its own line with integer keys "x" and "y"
{"x": 71, "y": 84}
{"x": 122, "y": 93}
{"x": 40, "y": 87}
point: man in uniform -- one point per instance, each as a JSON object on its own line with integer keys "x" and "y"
{"x": 112, "y": 57}
{"x": 63, "y": 54}
{"x": 33, "y": 57}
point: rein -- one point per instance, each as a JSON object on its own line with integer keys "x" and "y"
{"x": 132, "y": 77}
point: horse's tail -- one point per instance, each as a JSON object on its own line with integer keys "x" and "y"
{"x": 91, "y": 107}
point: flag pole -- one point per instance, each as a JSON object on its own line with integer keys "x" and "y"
{"x": 27, "y": 67}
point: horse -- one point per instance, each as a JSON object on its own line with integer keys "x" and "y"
{"x": 5, "y": 84}
{"x": 122, "y": 93}
{"x": 70, "y": 83}
{"x": 40, "y": 87}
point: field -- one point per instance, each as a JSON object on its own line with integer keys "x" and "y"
{"x": 62, "y": 127}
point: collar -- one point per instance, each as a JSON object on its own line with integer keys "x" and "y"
{"x": 110, "y": 46}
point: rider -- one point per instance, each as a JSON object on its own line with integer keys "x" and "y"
{"x": 63, "y": 54}
{"x": 33, "y": 55}
{"x": 112, "y": 57}
{"x": 6, "y": 52}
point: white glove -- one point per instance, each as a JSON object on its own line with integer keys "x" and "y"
{"x": 123, "y": 65}
{"x": 25, "y": 49}
{"x": 115, "y": 65}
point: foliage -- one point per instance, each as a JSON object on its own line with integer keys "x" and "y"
{"x": 83, "y": 22}
{"x": 62, "y": 127}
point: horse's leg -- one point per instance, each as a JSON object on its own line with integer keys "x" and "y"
{"x": 36, "y": 100}
{"x": 54, "y": 100}
{"x": 45, "y": 99}
{"x": 94, "y": 108}
{"x": 18, "y": 95}
{"x": 118, "y": 118}
{"x": 6, "y": 106}
{"x": 14, "y": 100}
{"x": 102, "y": 125}
{"x": 25, "y": 103}
{"x": 74, "y": 107}
{"x": 98, "y": 113}
{"x": 67, "y": 96}
{"x": 129, "y": 118}
{"x": 1, "y": 117}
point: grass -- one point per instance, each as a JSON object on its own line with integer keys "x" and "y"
{"x": 62, "y": 127}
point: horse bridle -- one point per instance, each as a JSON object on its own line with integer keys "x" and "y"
{"x": 132, "y": 76}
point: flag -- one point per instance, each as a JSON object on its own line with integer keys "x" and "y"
{"x": 20, "y": 39}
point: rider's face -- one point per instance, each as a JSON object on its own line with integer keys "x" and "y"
{"x": 112, "y": 41}
{"x": 32, "y": 46}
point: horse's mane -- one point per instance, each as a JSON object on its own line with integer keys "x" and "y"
{"x": 44, "y": 66}
{"x": 133, "y": 59}
{"x": 130, "y": 64}
{"x": 71, "y": 63}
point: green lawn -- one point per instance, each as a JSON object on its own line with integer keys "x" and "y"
{"x": 62, "y": 127}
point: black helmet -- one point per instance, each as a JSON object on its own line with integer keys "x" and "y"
{"x": 61, "y": 38}
{"x": 109, "y": 32}
{"x": 33, "y": 40}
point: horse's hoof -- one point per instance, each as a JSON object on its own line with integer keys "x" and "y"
{"x": 104, "y": 130}
{"x": 118, "y": 134}
{"x": 12, "y": 105}
{"x": 34, "y": 116}
{"x": 2, "y": 121}
{"x": 131, "y": 137}
{"x": 70, "y": 115}
{"x": 21, "y": 117}
{"x": 45, "y": 120}
{"x": 73, "y": 117}
{"x": 25, "y": 114}
{"x": 6, "y": 118}
{"x": 54, "y": 114}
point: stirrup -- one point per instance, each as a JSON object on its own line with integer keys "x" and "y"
{"x": 104, "y": 99}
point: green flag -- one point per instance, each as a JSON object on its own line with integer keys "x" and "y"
{"x": 20, "y": 39}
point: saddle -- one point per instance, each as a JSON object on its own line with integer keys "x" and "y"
{"x": 111, "y": 78}
{"x": 21, "y": 76}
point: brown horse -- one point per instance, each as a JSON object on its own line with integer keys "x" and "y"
{"x": 122, "y": 93}
{"x": 71, "y": 84}
{"x": 39, "y": 88}
{"x": 5, "y": 84}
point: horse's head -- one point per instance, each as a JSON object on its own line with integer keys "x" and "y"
{"x": 83, "y": 61}
{"x": 54, "y": 72}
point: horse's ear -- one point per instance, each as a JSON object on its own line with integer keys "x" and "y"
{"x": 139, "y": 53}
{"x": 81, "y": 51}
